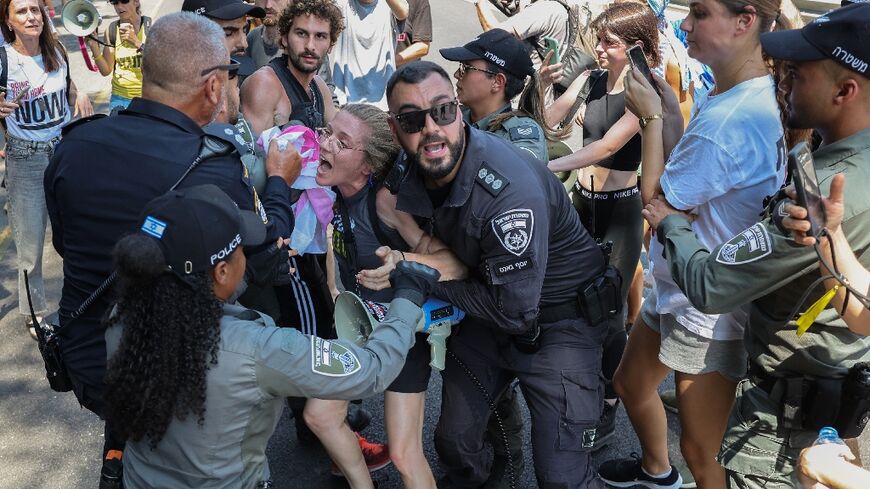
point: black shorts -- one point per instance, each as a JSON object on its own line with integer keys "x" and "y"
{"x": 306, "y": 303}
{"x": 414, "y": 376}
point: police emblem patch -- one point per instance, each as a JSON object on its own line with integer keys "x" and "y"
{"x": 514, "y": 229}
{"x": 332, "y": 359}
{"x": 748, "y": 246}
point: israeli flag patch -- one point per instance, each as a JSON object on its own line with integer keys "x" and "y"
{"x": 154, "y": 227}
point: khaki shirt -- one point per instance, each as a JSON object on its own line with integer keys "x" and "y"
{"x": 762, "y": 266}
{"x": 523, "y": 132}
{"x": 258, "y": 365}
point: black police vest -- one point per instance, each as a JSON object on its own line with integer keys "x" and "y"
{"x": 305, "y": 110}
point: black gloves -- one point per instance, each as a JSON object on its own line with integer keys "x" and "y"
{"x": 413, "y": 281}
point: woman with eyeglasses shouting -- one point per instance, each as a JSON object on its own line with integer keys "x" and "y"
{"x": 36, "y": 100}
{"x": 121, "y": 53}
{"x": 357, "y": 151}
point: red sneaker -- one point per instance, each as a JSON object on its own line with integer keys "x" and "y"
{"x": 376, "y": 455}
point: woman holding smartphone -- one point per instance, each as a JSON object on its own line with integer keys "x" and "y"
{"x": 606, "y": 194}
{"x": 730, "y": 158}
{"x": 122, "y": 54}
{"x": 34, "y": 107}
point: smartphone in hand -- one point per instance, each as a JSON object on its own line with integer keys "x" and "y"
{"x": 638, "y": 62}
{"x": 806, "y": 183}
{"x": 551, "y": 44}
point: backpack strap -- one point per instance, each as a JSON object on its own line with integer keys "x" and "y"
{"x": 113, "y": 32}
{"x": 582, "y": 95}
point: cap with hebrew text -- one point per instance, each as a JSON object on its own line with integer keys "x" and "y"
{"x": 842, "y": 35}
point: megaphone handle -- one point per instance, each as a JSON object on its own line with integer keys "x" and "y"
{"x": 437, "y": 350}
{"x": 85, "y": 55}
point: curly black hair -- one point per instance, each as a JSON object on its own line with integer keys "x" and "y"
{"x": 169, "y": 342}
{"x": 323, "y": 9}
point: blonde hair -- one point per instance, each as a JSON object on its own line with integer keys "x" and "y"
{"x": 380, "y": 147}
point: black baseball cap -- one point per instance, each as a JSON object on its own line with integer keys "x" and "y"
{"x": 842, "y": 35}
{"x": 222, "y": 9}
{"x": 500, "y": 48}
{"x": 198, "y": 227}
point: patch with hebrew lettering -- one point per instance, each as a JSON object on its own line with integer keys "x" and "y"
{"x": 748, "y": 246}
{"x": 514, "y": 229}
{"x": 514, "y": 265}
{"x": 332, "y": 359}
{"x": 523, "y": 132}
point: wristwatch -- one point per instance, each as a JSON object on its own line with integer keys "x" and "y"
{"x": 647, "y": 118}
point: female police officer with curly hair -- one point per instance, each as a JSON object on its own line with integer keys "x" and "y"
{"x": 195, "y": 383}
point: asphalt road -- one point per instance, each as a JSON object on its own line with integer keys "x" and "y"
{"x": 47, "y": 441}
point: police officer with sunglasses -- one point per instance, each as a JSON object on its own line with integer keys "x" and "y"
{"x": 532, "y": 296}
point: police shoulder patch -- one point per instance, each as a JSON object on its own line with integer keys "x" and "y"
{"x": 514, "y": 229}
{"x": 527, "y": 131}
{"x": 750, "y": 245}
{"x": 491, "y": 180}
{"x": 332, "y": 359}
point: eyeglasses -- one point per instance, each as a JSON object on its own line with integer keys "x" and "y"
{"x": 331, "y": 141}
{"x": 116, "y": 2}
{"x": 463, "y": 69}
{"x": 232, "y": 69}
{"x": 414, "y": 121}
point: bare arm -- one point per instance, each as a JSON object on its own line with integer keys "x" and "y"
{"x": 260, "y": 94}
{"x": 614, "y": 139}
{"x": 856, "y": 316}
{"x": 642, "y": 100}
{"x": 400, "y": 8}
{"x": 328, "y": 109}
{"x": 104, "y": 58}
{"x": 413, "y": 52}
{"x": 424, "y": 248}
{"x": 559, "y": 108}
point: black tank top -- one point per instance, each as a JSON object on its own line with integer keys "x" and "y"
{"x": 365, "y": 242}
{"x": 602, "y": 112}
{"x": 308, "y": 112}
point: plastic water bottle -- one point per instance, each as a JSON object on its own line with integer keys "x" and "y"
{"x": 828, "y": 435}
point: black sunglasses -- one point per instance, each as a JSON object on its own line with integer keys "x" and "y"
{"x": 116, "y": 2}
{"x": 232, "y": 69}
{"x": 464, "y": 67}
{"x": 414, "y": 121}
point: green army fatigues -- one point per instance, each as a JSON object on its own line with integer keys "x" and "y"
{"x": 524, "y": 132}
{"x": 764, "y": 268}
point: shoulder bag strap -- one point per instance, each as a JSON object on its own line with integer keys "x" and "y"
{"x": 582, "y": 95}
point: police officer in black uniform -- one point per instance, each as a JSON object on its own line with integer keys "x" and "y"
{"x": 532, "y": 265}
{"x": 107, "y": 169}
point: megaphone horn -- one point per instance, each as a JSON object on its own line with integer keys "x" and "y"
{"x": 80, "y": 18}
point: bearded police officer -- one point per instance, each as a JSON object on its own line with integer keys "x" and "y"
{"x": 796, "y": 382}
{"x": 509, "y": 220}
{"x": 492, "y": 71}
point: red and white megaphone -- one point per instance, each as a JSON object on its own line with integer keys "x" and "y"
{"x": 81, "y": 19}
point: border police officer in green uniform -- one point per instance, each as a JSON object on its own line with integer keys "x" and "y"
{"x": 796, "y": 383}
{"x": 492, "y": 71}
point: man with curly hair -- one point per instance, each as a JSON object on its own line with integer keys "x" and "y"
{"x": 288, "y": 88}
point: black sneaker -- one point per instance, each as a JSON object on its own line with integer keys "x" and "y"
{"x": 358, "y": 419}
{"x": 112, "y": 473}
{"x": 606, "y": 429}
{"x": 628, "y": 473}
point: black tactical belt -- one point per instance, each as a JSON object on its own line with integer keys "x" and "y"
{"x": 558, "y": 312}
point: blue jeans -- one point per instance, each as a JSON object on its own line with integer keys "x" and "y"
{"x": 119, "y": 101}
{"x": 26, "y": 162}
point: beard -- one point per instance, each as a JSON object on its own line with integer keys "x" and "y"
{"x": 438, "y": 169}
{"x": 270, "y": 20}
{"x": 295, "y": 60}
